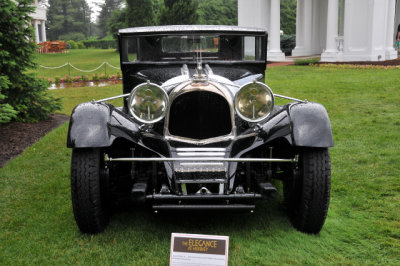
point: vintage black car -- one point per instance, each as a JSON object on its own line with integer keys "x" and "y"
{"x": 198, "y": 130}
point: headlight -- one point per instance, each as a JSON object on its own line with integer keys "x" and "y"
{"x": 254, "y": 101}
{"x": 148, "y": 103}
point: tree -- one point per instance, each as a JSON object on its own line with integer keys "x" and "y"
{"x": 218, "y": 12}
{"x": 117, "y": 21}
{"x": 20, "y": 93}
{"x": 288, "y": 16}
{"x": 179, "y": 12}
{"x": 105, "y": 13}
{"x": 67, "y": 17}
{"x": 139, "y": 13}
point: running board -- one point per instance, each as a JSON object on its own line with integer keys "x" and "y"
{"x": 204, "y": 207}
{"x": 201, "y": 159}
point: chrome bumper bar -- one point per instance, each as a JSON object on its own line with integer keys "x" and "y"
{"x": 203, "y": 159}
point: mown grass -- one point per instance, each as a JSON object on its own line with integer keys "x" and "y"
{"x": 363, "y": 223}
{"x": 85, "y": 59}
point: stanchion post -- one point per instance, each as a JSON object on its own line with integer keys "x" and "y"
{"x": 69, "y": 69}
{"x": 105, "y": 69}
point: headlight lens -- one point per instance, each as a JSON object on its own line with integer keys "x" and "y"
{"x": 148, "y": 103}
{"x": 254, "y": 101}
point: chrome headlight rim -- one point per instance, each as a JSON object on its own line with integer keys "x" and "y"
{"x": 131, "y": 109}
{"x": 264, "y": 116}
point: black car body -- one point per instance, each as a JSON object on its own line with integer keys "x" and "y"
{"x": 198, "y": 130}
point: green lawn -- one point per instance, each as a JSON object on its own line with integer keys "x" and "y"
{"x": 363, "y": 223}
{"x": 85, "y": 59}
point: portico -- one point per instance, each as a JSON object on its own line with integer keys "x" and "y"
{"x": 339, "y": 30}
{"x": 39, "y": 23}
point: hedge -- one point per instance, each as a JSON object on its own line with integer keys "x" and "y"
{"x": 102, "y": 44}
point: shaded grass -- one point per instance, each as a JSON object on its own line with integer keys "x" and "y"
{"x": 363, "y": 223}
{"x": 85, "y": 59}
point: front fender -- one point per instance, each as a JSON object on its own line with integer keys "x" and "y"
{"x": 98, "y": 125}
{"x": 311, "y": 126}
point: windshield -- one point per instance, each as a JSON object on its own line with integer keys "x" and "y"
{"x": 206, "y": 47}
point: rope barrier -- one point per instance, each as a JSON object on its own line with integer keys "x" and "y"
{"x": 112, "y": 66}
{"x": 92, "y": 70}
{"x": 81, "y": 70}
{"x": 66, "y": 64}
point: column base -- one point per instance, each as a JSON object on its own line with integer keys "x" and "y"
{"x": 275, "y": 56}
{"x": 299, "y": 51}
{"x": 330, "y": 56}
{"x": 391, "y": 54}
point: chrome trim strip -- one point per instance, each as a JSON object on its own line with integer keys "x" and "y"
{"x": 214, "y": 154}
{"x": 199, "y": 149}
{"x": 203, "y": 159}
{"x": 201, "y": 164}
{"x": 290, "y": 98}
{"x": 197, "y": 141}
{"x": 200, "y": 181}
{"x": 112, "y": 98}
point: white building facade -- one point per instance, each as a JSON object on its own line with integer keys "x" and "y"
{"x": 39, "y": 23}
{"x": 338, "y": 30}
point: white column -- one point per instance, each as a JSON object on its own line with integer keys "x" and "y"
{"x": 36, "y": 25}
{"x": 331, "y": 51}
{"x": 332, "y": 26}
{"x": 304, "y": 20}
{"x": 299, "y": 24}
{"x": 43, "y": 25}
{"x": 274, "y": 51}
{"x": 275, "y": 26}
{"x": 390, "y": 52}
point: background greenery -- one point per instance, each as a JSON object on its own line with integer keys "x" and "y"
{"x": 23, "y": 96}
{"x": 85, "y": 59}
{"x": 362, "y": 227}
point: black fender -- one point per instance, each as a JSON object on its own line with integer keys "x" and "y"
{"x": 94, "y": 125}
{"x": 311, "y": 126}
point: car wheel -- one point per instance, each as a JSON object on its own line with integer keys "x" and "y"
{"x": 307, "y": 192}
{"x": 88, "y": 190}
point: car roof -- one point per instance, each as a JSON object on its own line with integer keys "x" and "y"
{"x": 190, "y": 29}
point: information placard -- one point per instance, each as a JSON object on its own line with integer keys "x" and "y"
{"x": 192, "y": 249}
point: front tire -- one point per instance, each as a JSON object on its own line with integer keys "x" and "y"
{"x": 307, "y": 193}
{"x": 87, "y": 191}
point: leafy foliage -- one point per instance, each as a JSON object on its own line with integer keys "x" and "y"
{"x": 116, "y": 22}
{"x": 306, "y": 61}
{"x": 288, "y": 16}
{"x": 75, "y": 36}
{"x": 179, "y": 12}
{"x": 7, "y": 112}
{"x": 66, "y": 17}
{"x": 218, "y": 12}
{"x": 139, "y": 13}
{"x": 102, "y": 44}
{"x": 288, "y": 43}
{"x": 20, "y": 92}
{"x": 105, "y": 13}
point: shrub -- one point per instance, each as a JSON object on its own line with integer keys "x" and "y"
{"x": 75, "y": 45}
{"x": 7, "y": 112}
{"x": 23, "y": 95}
{"x": 57, "y": 80}
{"x": 75, "y": 36}
{"x": 95, "y": 77}
{"x": 100, "y": 44}
{"x": 68, "y": 79}
{"x": 306, "y": 61}
{"x": 288, "y": 43}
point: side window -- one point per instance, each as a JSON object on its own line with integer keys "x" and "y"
{"x": 252, "y": 48}
{"x": 129, "y": 49}
{"x": 249, "y": 48}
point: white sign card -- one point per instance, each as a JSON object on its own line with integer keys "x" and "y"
{"x": 192, "y": 249}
